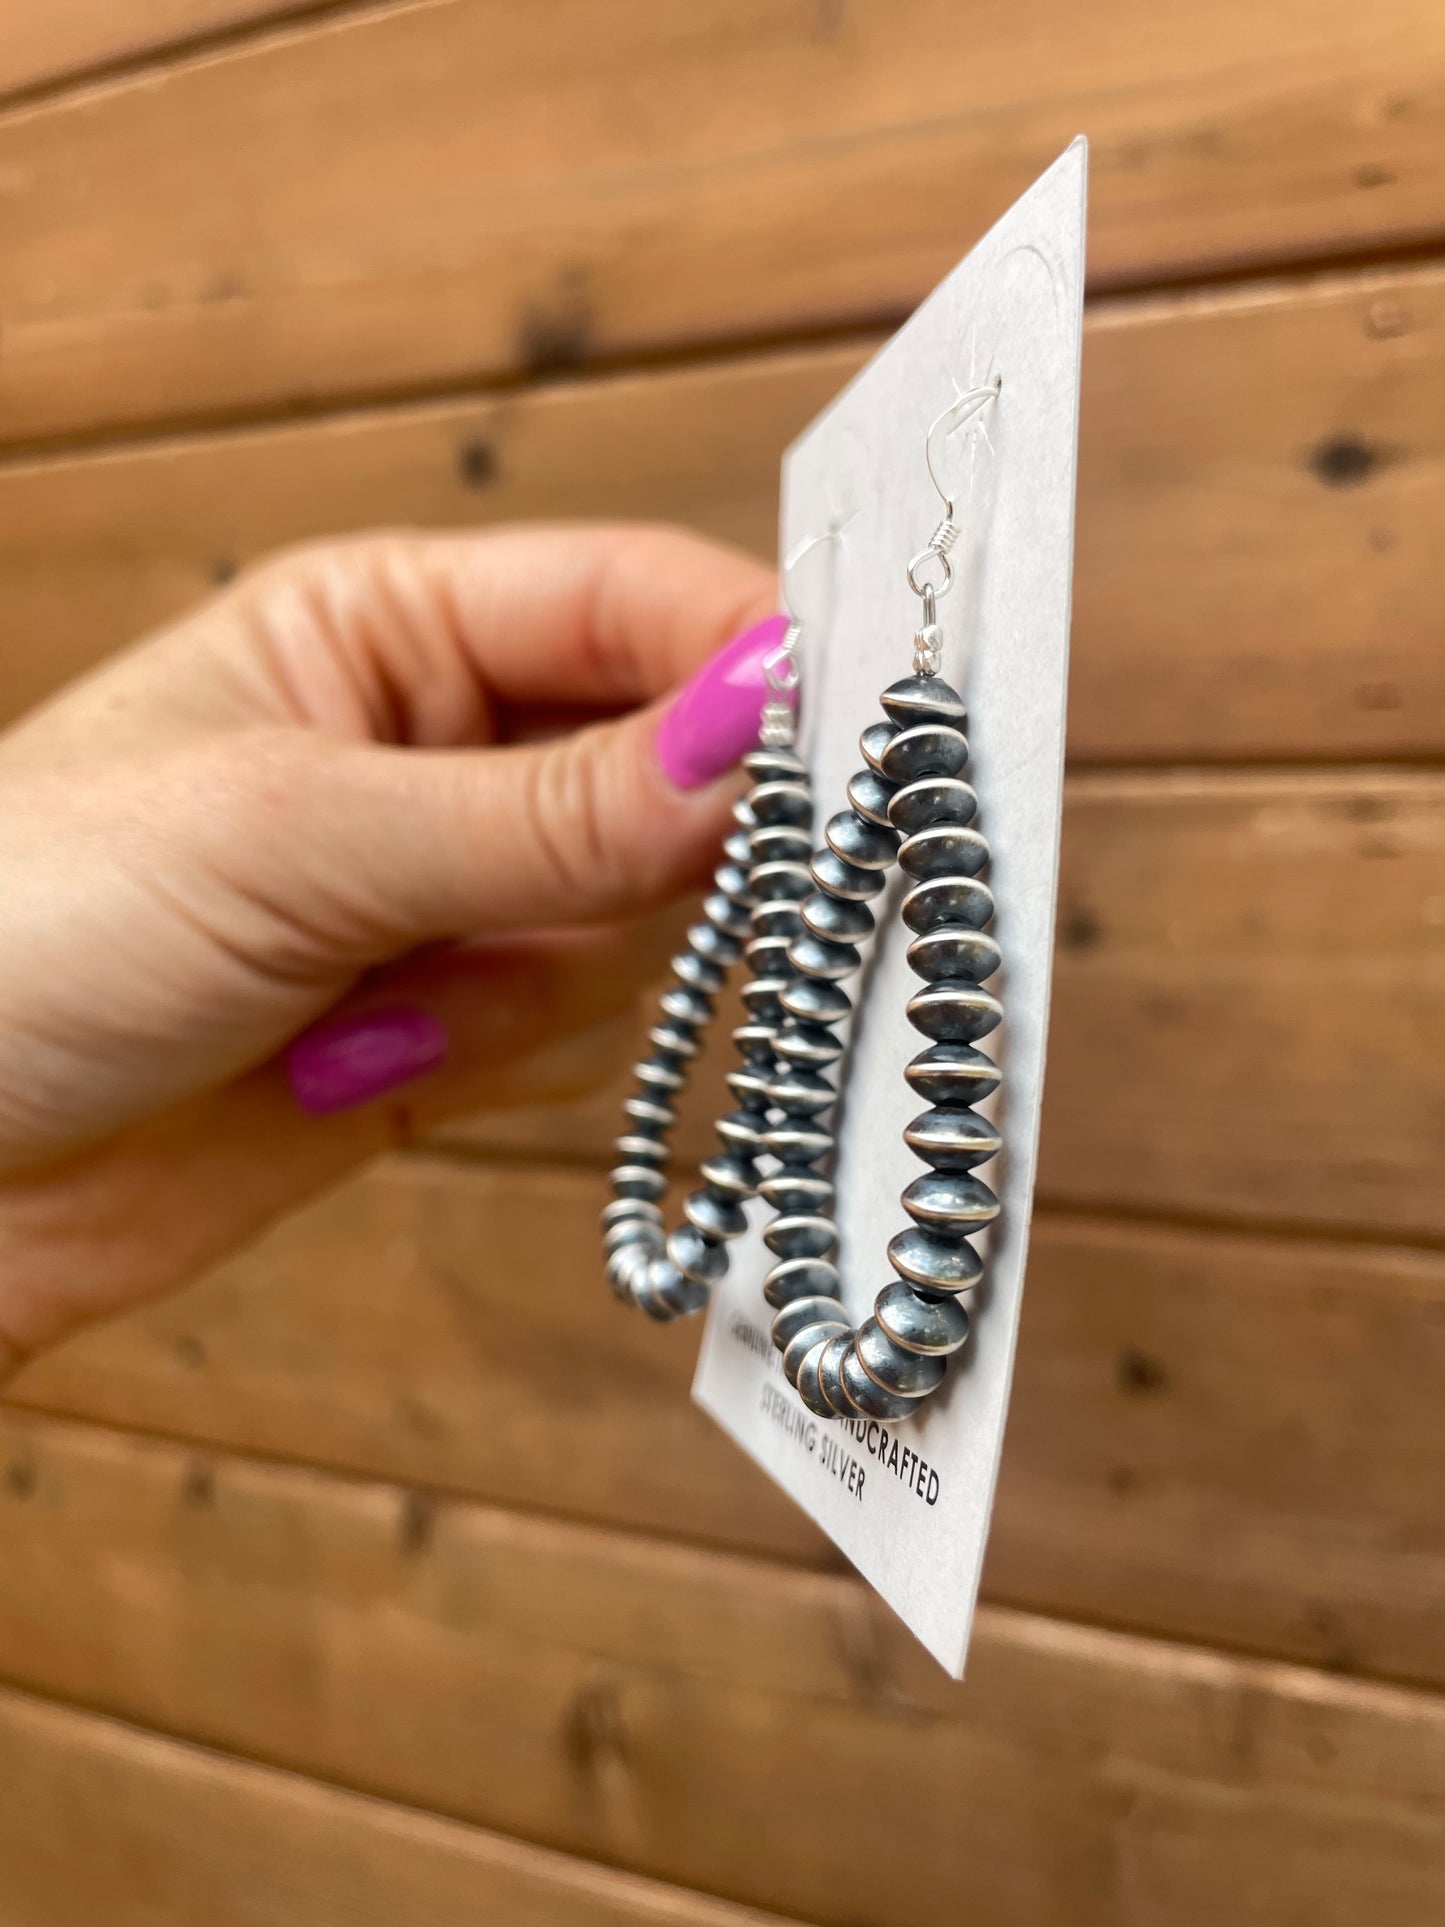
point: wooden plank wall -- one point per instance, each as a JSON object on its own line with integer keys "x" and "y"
{"x": 306, "y": 1614}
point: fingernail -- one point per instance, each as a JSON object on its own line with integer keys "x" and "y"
{"x": 714, "y": 720}
{"x": 345, "y": 1062}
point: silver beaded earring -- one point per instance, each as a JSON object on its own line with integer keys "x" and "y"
{"x": 751, "y": 910}
{"x": 911, "y": 805}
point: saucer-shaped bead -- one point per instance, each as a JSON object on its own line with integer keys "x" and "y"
{"x": 870, "y": 794}
{"x": 950, "y": 1203}
{"x": 750, "y": 1085}
{"x": 638, "y": 1181}
{"x": 673, "y": 1040}
{"x": 660, "y": 1079}
{"x": 840, "y": 879}
{"x": 630, "y": 1231}
{"x": 923, "y": 699}
{"x": 650, "y": 1115}
{"x": 797, "y": 1190}
{"x": 811, "y": 1337}
{"x": 952, "y": 1140}
{"x": 953, "y": 1074}
{"x": 817, "y": 957}
{"x": 798, "y": 1141}
{"x": 830, "y": 1374}
{"x": 801, "y": 1093}
{"x": 737, "y": 848}
{"x": 788, "y": 880}
{"x": 743, "y": 1131}
{"x": 768, "y": 954}
{"x": 777, "y": 918}
{"x": 934, "y": 799}
{"x": 814, "y": 1002}
{"x": 714, "y": 1217}
{"x": 627, "y": 1265}
{"x": 775, "y": 763}
{"x": 933, "y": 1325}
{"x": 948, "y": 900}
{"x": 867, "y": 1396}
{"x": 864, "y": 845}
{"x": 813, "y": 1045}
{"x": 706, "y": 940}
{"x": 944, "y": 850}
{"x": 685, "y": 1006}
{"x": 663, "y": 1293}
{"x": 760, "y": 999}
{"x": 807, "y": 1382}
{"x": 731, "y": 1176}
{"x": 800, "y": 1313}
{"x": 779, "y": 843}
{"x": 953, "y": 953}
{"x": 930, "y": 749}
{"x": 782, "y": 802}
{"x": 932, "y": 1264}
{"x": 836, "y": 919}
{"x": 910, "y": 1374}
{"x": 697, "y": 973}
{"x": 735, "y": 918}
{"x": 731, "y": 881}
{"x": 622, "y": 1209}
{"x": 702, "y": 1260}
{"x": 872, "y": 743}
{"x": 801, "y": 1236}
{"x": 798, "y": 1278}
{"x": 954, "y": 1013}
{"x": 640, "y": 1150}
{"x": 755, "y": 1042}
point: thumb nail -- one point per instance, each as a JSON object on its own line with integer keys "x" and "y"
{"x": 714, "y": 718}
{"x": 335, "y": 1065}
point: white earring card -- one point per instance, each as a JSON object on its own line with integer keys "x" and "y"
{"x": 909, "y": 1503}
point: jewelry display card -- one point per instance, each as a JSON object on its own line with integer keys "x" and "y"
{"x": 909, "y": 1504}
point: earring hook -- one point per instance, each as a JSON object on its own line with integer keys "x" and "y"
{"x": 962, "y": 410}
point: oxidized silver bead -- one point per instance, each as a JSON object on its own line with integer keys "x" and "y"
{"x": 950, "y": 1203}
{"x": 840, "y": 879}
{"x": 814, "y": 1002}
{"x": 927, "y": 1261}
{"x": 640, "y": 1150}
{"x": 954, "y": 1013}
{"x": 651, "y": 1116}
{"x": 673, "y": 1041}
{"x": 716, "y": 1218}
{"x": 809, "y": 1388}
{"x": 629, "y": 1231}
{"x": 797, "y": 1142}
{"x": 930, "y": 749}
{"x": 953, "y": 952}
{"x": 830, "y": 1375}
{"x": 777, "y": 918}
{"x": 658, "y": 1078}
{"x": 663, "y": 1293}
{"x": 952, "y": 1140}
{"x": 775, "y": 763}
{"x": 737, "y": 848}
{"x": 801, "y": 1313}
{"x": 943, "y": 850}
{"x": 638, "y": 1181}
{"x": 864, "y": 845}
{"x": 809, "y": 1338}
{"x": 948, "y": 900}
{"x": 716, "y": 946}
{"x": 813, "y": 1045}
{"x": 787, "y": 880}
{"x": 750, "y": 1085}
{"x": 866, "y": 1395}
{"x": 724, "y": 914}
{"x": 801, "y": 1236}
{"x": 874, "y": 741}
{"x": 953, "y": 1074}
{"x": 836, "y": 919}
{"x": 782, "y": 802}
{"x": 762, "y": 998}
{"x": 798, "y": 1278}
{"x": 934, "y": 1325}
{"x": 697, "y": 973}
{"x": 731, "y": 881}
{"x": 621, "y": 1209}
{"x": 768, "y": 955}
{"x": 923, "y": 699}
{"x": 910, "y": 1374}
{"x": 797, "y": 1190}
{"x": 757, "y": 1042}
{"x": 933, "y": 799}
{"x": 816, "y": 957}
{"x": 780, "y": 843}
{"x": 870, "y": 794}
{"x": 700, "y": 1259}
{"x": 733, "y": 1177}
{"x": 801, "y": 1093}
{"x": 743, "y": 1131}
{"x": 685, "y": 1006}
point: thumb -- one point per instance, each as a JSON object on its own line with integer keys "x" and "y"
{"x": 607, "y": 821}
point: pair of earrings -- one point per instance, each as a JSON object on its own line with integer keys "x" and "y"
{"x": 798, "y": 916}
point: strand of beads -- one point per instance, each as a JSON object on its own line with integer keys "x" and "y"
{"x": 909, "y": 805}
{"x": 755, "y": 892}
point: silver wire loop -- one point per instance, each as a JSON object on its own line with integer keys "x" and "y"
{"x": 941, "y": 543}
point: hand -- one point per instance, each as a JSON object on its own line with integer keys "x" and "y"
{"x": 414, "y": 784}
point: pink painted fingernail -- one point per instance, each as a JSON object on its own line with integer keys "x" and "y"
{"x": 714, "y": 719}
{"x": 345, "y": 1062}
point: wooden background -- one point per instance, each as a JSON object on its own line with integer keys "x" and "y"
{"x": 309, "y": 1617}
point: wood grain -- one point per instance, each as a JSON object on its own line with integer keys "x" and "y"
{"x": 1248, "y": 1010}
{"x": 1256, "y": 578}
{"x": 430, "y": 194}
{"x": 103, "y": 1822}
{"x": 47, "y": 44}
{"x": 1226, "y": 1438}
{"x": 711, "y": 1721}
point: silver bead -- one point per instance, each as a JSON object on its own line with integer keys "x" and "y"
{"x": 798, "y": 1278}
{"x": 788, "y": 880}
{"x": 673, "y": 1041}
{"x": 864, "y": 845}
{"x": 953, "y": 1074}
{"x": 952, "y": 1140}
{"x": 775, "y": 763}
{"x": 733, "y": 1177}
{"x": 780, "y": 843}
{"x": 801, "y": 1093}
{"x": 866, "y": 1395}
{"x": 801, "y": 1313}
{"x": 929, "y": 1262}
{"x": 756, "y": 1042}
{"x": 738, "y": 848}
{"x": 794, "y": 1142}
{"x": 621, "y": 1209}
{"x": 809, "y": 1338}
{"x": 830, "y": 1374}
{"x": 783, "y": 802}
{"x": 954, "y": 1013}
{"x": 663, "y": 1293}
{"x": 743, "y": 1131}
{"x": 836, "y": 919}
{"x": 802, "y": 1235}
{"x": 930, "y": 749}
{"x": 715, "y": 1217}
{"x": 651, "y": 1116}
{"x": 750, "y": 1084}
{"x": 874, "y": 740}
{"x": 815, "y": 1002}
{"x": 816, "y": 957}
{"x": 630, "y": 1231}
{"x": 731, "y": 881}
{"x": 812, "y": 1045}
{"x": 697, "y": 973}
{"x": 627, "y": 1265}
{"x": 923, "y": 699}
{"x": 708, "y": 941}
{"x": 910, "y": 1374}
{"x": 685, "y": 1006}
{"x": 809, "y": 1388}
{"x": 768, "y": 955}
{"x": 657, "y": 1078}
{"x": 777, "y": 918}
{"x": 950, "y": 952}
{"x": 640, "y": 1150}
{"x": 743, "y": 814}
{"x": 840, "y": 879}
{"x": 870, "y": 794}
{"x": 934, "y": 1325}
{"x": 762, "y": 998}
{"x": 948, "y": 900}
{"x": 950, "y": 1203}
{"x": 638, "y": 1181}
{"x": 943, "y": 850}
{"x": 934, "y": 799}
{"x": 726, "y": 914}
{"x": 699, "y": 1259}
{"x": 797, "y": 1190}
